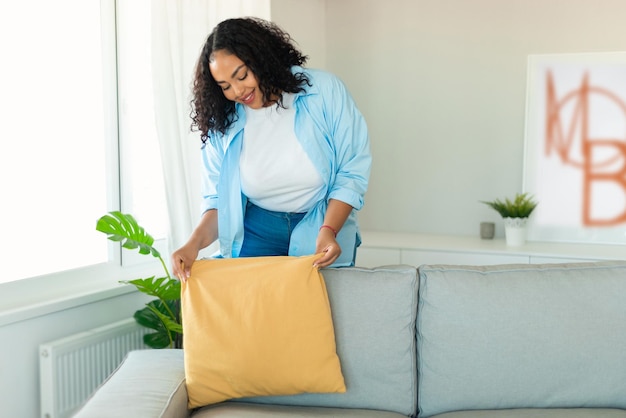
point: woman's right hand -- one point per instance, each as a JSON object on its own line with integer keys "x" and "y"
{"x": 204, "y": 234}
{"x": 182, "y": 259}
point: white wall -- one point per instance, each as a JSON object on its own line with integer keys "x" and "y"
{"x": 442, "y": 84}
{"x": 305, "y": 21}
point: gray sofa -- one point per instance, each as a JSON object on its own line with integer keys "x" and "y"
{"x": 507, "y": 341}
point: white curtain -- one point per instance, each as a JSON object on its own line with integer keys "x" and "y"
{"x": 179, "y": 30}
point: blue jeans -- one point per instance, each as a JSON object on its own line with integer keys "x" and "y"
{"x": 267, "y": 233}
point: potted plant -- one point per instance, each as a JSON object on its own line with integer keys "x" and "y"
{"x": 515, "y": 213}
{"x": 163, "y": 313}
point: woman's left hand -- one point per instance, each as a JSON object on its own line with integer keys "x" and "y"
{"x": 326, "y": 244}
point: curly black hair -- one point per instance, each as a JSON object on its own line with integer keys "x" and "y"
{"x": 265, "y": 48}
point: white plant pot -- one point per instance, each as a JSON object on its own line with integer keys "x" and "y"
{"x": 515, "y": 231}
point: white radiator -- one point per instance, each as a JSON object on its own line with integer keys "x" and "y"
{"x": 71, "y": 368}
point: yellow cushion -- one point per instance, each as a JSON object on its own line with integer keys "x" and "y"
{"x": 257, "y": 326}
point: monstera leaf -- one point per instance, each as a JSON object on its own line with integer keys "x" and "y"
{"x": 125, "y": 229}
{"x": 157, "y": 316}
{"x": 163, "y": 288}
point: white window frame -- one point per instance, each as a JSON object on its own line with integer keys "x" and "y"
{"x": 28, "y": 298}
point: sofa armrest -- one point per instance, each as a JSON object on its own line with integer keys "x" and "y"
{"x": 148, "y": 384}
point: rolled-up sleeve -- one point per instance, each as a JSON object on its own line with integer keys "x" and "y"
{"x": 352, "y": 149}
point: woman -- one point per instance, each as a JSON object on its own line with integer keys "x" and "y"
{"x": 285, "y": 151}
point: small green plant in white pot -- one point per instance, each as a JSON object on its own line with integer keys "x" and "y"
{"x": 515, "y": 213}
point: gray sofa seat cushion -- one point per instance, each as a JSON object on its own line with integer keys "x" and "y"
{"x": 538, "y": 413}
{"x": 148, "y": 384}
{"x": 373, "y": 314}
{"x": 522, "y": 336}
{"x": 241, "y": 410}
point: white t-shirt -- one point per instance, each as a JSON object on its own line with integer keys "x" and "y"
{"x": 276, "y": 173}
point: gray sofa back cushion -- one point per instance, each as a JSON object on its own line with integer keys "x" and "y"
{"x": 374, "y": 318}
{"x": 522, "y": 336}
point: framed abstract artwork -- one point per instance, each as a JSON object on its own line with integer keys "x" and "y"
{"x": 575, "y": 147}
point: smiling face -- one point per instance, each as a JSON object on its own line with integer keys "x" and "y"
{"x": 237, "y": 81}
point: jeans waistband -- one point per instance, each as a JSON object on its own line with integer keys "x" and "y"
{"x": 275, "y": 213}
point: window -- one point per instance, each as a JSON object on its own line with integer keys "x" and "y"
{"x": 65, "y": 143}
{"x": 142, "y": 182}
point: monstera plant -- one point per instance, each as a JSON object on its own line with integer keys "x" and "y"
{"x": 162, "y": 314}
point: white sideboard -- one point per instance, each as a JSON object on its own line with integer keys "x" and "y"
{"x": 387, "y": 248}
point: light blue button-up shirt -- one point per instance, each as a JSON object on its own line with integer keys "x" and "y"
{"x": 334, "y": 135}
